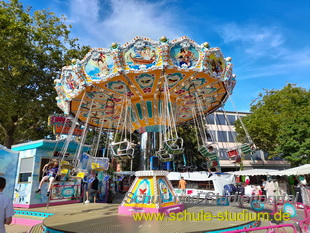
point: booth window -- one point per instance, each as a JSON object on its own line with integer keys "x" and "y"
{"x": 43, "y": 163}
{"x": 25, "y": 170}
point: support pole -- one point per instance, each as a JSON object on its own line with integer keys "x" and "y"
{"x": 149, "y": 146}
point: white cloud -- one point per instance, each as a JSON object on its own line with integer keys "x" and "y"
{"x": 263, "y": 53}
{"x": 257, "y": 40}
{"x": 124, "y": 20}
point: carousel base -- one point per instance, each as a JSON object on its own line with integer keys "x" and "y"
{"x": 152, "y": 184}
{"x": 100, "y": 218}
{"x": 166, "y": 210}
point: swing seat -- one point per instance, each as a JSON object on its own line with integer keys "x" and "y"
{"x": 164, "y": 156}
{"x": 233, "y": 153}
{"x": 64, "y": 171}
{"x": 79, "y": 175}
{"x": 66, "y": 164}
{"x": 172, "y": 147}
{"x": 100, "y": 164}
{"x": 122, "y": 149}
{"x": 246, "y": 149}
{"x": 96, "y": 166}
{"x": 204, "y": 152}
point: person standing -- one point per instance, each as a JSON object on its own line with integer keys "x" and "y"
{"x": 93, "y": 189}
{"x": 6, "y": 207}
{"x": 182, "y": 185}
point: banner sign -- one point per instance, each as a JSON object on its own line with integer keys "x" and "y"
{"x": 62, "y": 125}
{"x": 60, "y": 192}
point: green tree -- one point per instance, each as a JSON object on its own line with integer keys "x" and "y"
{"x": 33, "y": 49}
{"x": 188, "y": 133}
{"x": 279, "y": 123}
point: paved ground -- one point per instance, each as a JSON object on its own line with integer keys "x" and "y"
{"x": 102, "y": 217}
{"x": 13, "y": 228}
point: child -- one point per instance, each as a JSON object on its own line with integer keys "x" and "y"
{"x": 50, "y": 171}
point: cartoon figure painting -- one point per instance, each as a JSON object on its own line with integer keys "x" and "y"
{"x": 22, "y": 193}
{"x": 165, "y": 194}
{"x": 100, "y": 64}
{"x": 70, "y": 81}
{"x": 143, "y": 189}
{"x": 140, "y": 55}
{"x": 143, "y": 57}
{"x": 103, "y": 65}
{"x": 216, "y": 66}
{"x": 184, "y": 57}
{"x": 217, "y": 63}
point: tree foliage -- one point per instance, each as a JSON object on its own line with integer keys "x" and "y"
{"x": 279, "y": 123}
{"x": 192, "y": 156}
{"x": 33, "y": 49}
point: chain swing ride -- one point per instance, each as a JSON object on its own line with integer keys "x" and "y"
{"x": 153, "y": 87}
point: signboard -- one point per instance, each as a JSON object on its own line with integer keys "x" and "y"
{"x": 60, "y": 192}
{"x": 62, "y": 125}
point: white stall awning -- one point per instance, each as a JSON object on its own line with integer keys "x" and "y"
{"x": 301, "y": 170}
{"x": 254, "y": 172}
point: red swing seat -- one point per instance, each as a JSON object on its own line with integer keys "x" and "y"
{"x": 233, "y": 153}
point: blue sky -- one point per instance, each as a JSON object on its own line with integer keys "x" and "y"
{"x": 268, "y": 40}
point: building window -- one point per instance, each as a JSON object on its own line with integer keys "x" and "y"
{"x": 222, "y": 153}
{"x": 222, "y": 136}
{"x": 232, "y": 136}
{"x": 211, "y": 136}
{"x": 25, "y": 171}
{"x": 231, "y": 119}
{"x": 210, "y": 119}
{"x": 220, "y": 119}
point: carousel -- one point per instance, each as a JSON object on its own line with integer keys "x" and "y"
{"x": 146, "y": 87}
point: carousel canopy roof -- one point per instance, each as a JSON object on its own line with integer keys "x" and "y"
{"x": 103, "y": 81}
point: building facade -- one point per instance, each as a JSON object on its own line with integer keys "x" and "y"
{"x": 222, "y": 131}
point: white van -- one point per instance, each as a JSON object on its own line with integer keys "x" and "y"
{"x": 200, "y": 183}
